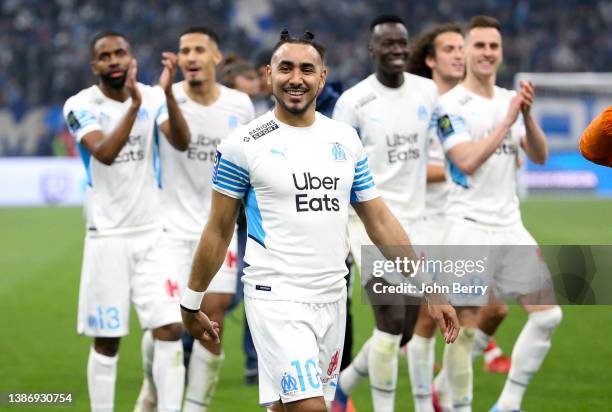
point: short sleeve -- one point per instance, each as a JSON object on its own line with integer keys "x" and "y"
{"x": 363, "y": 188}
{"x": 230, "y": 171}
{"x": 345, "y": 112}
{"x": 451, "y": 128}
{"x": 79, "y": 118}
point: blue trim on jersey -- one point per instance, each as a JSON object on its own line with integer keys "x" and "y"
{"x": 361, "y": 182}
{"x": 361, "y": 175}
{"x": 254, "y": 222}
{"x": 242, "y": 172}
{"x": 362, "y": 162}
{"x": 363, "y": 186}
{"x": 457, "y": 176}
{"x": 157, "y": 166}
{"x": 230, "y": 185}
{"x": 231, "y": 175}
{"x": 86, "y": 157}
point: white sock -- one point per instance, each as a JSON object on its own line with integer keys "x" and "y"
{"x": 481, "y": 341}
{"x": 101, "y": 376}
{"x": 203, "y": 372}
{"x": 168, "y": 374}
{"x": 147, "y": 346}
{"x": 382, "y": 368}
{"x": 528, "y": 354}
{"x": 443, "y": 391}
{"x": 421, "y": 353}
{"x": 356, "y": 371}
{"x": 459, "y": 373}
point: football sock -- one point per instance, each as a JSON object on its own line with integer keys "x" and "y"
{"x": 458, "y": 367}
{"x": 421, "y": 352}
{"x": 442, "y": 390}
{"x": 356, "y": 371}
{"x": 528, "y": 354}
{"x": 481, "y": 341}
{"x": 203, "y": 375}
{"x": 101, "y": 376}
{"x": 382, "y": 368}
{"x": 168, "y": 374}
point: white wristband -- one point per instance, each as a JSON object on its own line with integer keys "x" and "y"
{"x": 192, "y": 299}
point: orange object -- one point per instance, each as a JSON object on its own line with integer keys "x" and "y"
{"x": 596, "y": 140}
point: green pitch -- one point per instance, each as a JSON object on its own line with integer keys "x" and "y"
{"x": 40, "y": 258}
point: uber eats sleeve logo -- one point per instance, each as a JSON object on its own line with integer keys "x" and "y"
{"x": 306, "y": 184}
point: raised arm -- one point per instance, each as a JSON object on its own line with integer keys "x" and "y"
{"x": 469, "y": 156}
{"x": 208, "y": 259}
{"x": 384, "y": 229}
{"x": 175, "y": 127}
{"x": 105, "y": 148}
{"x": 534, "y": 143}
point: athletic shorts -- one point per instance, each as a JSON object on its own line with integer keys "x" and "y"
{"x": 418, "y": 232}
{"x": 510, "y": 271}
{"x": 299, "y": 347}
{"x": 118, "y": 269}
{"x": 178, "y": 254}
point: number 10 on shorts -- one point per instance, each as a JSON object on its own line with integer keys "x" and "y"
{"x": 289, "y": 384}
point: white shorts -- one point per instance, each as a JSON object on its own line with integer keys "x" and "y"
{"x": 178, "y": 255}
{"x": 511, "y": 270}
{"x": 418, "y": 232}
{"x": 120, "y": 268}
{"x": 299, "y": 347}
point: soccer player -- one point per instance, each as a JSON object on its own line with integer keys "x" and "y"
{"x": 211, "y": 111}
{"x": 596, "y": 140}
{"x": 481, "y": 127}
{"x": 297, "y": 171}
{"x": 113, "y": 123}
{"x": 391, "y": 110}
{"x": 438, "y": 54}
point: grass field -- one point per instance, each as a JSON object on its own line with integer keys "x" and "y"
{"x": 40, "y": 258}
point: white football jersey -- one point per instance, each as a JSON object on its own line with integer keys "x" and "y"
{"x": 185, "y": 177}
{"x": 489, "y": 195}
{"x": 393, "y": 127}
{"x": 122, "y": 196}
{"x": 435, "y": 196}
{"x": 297, "y": 183}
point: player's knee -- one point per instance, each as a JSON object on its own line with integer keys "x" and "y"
{"x": 547, "y": 319}
{"x": 307, "y": 405}
{"x": 498, "y": 312}
{"x": 106, "y": 346}
{"x": 168, "y": 332}
{"x": 391, "y": 319}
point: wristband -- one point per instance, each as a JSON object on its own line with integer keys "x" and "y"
{"x": 191, "y": 300}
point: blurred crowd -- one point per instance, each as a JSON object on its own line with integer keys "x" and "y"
{"x": 44, "y": 44}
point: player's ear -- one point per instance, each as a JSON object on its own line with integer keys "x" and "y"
{"x": 217, "y": 56}
{"x": 94, "y": 68}
{"x": 430, "y": 61}
{"x": 323, "y": 78}
{"x": 269, "y": 75}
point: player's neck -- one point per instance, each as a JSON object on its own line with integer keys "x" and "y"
{"x": 481, "y": 85}
{"x": 296, "y": 120}
{"x": 391, "y": 80}
{"x": 205, "y": 93}
{"x": 120, "y": 95}
{"x": 444, "y": 84}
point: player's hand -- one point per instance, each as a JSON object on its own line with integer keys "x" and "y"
{"x": 528, "y": 93}
{"x": 514, "y": 109}
{"x": 200, "y": 327}
{"x": 169, "y": 61}
{"x": 132, "y": 84}
{"x": 444, "y": 315}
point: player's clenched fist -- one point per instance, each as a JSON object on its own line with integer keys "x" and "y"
{"x": 200, "y": 327}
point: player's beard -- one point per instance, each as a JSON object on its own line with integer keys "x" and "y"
{"x": 114, "y": 82}
{"x": 294, "y": 110}
{"x": 195, "y": 83}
